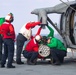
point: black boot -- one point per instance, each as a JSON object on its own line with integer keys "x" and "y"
{"x": 2, "y": 66}
{"x": 11, "y": 66}
{"x": 31, "y": 63}
{"x": 20, "y": 63}
{"x": 57, "y": 63}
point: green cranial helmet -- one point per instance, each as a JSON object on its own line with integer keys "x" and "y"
{"x": 11, "y": 14}
{"x": 12, "y": 19}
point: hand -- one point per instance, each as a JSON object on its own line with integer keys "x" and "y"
{"x": 41, "y": 26}
{"x": 8, "y": 34}
{"x": 47, "y": 24}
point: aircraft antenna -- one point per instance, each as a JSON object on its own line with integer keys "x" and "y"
{"x": 68, "y": 5}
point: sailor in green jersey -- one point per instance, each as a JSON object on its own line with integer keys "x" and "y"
{"x": 2, "y": 20}
{"x": 58, "y": 50}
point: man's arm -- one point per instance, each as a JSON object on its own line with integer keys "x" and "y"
{"x": 51, "y": 34}
{"x": 32, "y": 24}
{"x": 12, "y": 32}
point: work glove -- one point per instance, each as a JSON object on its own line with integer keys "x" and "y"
{"x": 47, "y": 24}
{"x": 8, "y": 34}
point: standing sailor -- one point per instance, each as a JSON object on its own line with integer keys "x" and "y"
{"x": 7, "y": 30}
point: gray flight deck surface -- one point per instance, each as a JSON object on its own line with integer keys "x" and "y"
{"x": 43, "y": 68}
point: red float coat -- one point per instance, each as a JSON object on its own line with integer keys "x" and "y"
{"x": 7, "y": 30}
{"x": 32, "y": 44}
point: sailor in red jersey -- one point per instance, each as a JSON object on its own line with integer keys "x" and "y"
{"x": 31, "y": 50}
{"x": 7, "y": 30}
{"x": 24, "y": 35}
{"x": 2, "y": 20}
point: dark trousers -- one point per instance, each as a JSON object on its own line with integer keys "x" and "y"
{"x": 20, "y": 43}
{"x": 8, "y": 52}
{"x": 30, "y": 55}
{"x": 1, "y": 41}
{"x": 58, "y": 55}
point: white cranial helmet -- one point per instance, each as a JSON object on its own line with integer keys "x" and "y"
{"x": 38, "y": 37}
{"x": 9, "y": 17}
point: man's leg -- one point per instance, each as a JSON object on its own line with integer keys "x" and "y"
{"x": 55, "y": 57}
{"x": 5, "y": 55}
{"x": 27, "y": 55}
{"x": 20, "y": 43}
{"x": 0, "y": 47}
{"x": 61, "y": 55}
{"x": 10, "y": 45}
{"x": 33, "y": 58}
